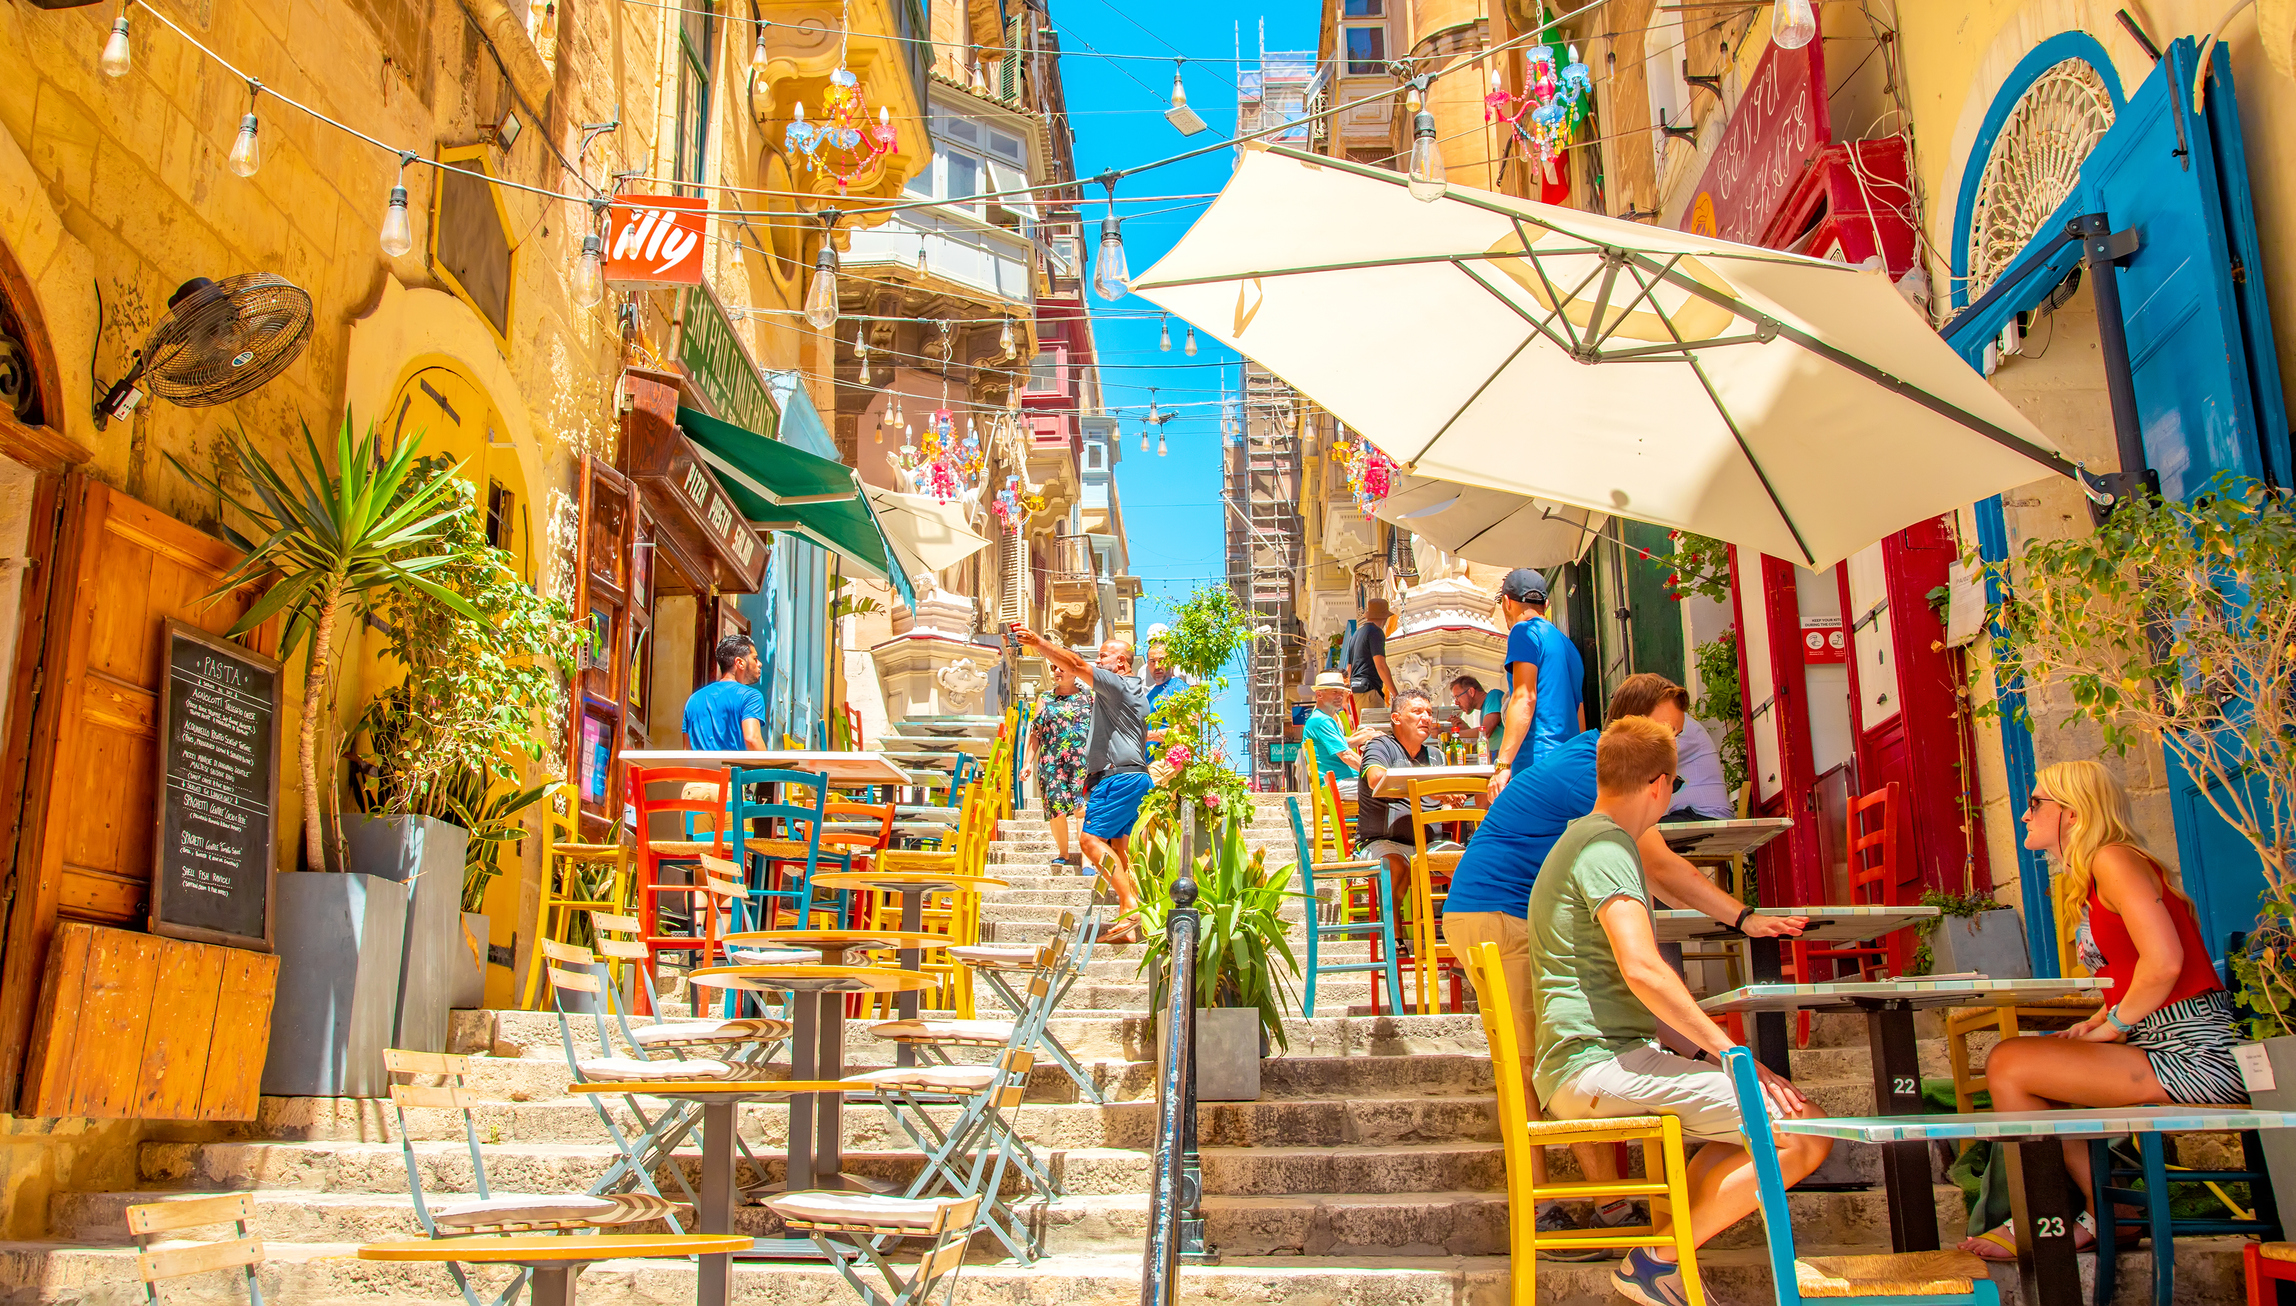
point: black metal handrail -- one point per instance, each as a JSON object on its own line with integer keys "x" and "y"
{"x": 1175, "y": 1192}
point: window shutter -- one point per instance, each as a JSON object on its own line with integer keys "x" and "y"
{"x": 1012, "y": 581}
{"x": 1008, "y": 68}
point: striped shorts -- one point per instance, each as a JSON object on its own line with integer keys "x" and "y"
{"x": 2190, "y": 1044}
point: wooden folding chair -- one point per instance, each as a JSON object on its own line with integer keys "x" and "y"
{"x": 576, "y": 877}
{"x": 1431, "y": 871}
{"x": 175, "y": 1260}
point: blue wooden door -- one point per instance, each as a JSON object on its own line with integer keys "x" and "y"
{"x": 2200, "y": 347}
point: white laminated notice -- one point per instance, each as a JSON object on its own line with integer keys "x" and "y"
{"x": 2255, "y": 1067}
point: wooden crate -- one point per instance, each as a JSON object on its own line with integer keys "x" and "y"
{"x": 135, "y": 1026}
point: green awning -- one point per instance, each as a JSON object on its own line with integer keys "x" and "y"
{"x": 784, "y": 488}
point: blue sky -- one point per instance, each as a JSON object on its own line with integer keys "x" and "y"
{"x": 1172, "y": 507}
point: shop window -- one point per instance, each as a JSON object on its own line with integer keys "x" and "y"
{"x": 1048, "y": 372}
{"x": 1366, "y": 50}
{"x": 697, "y": 59}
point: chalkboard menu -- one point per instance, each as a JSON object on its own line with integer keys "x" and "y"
{"x": 219, "y": 790}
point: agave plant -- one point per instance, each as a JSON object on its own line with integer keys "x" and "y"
{"x": 321, "y": 541}
{"x": 1242, "y": 956}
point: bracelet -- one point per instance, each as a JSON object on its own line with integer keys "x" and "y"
{"x": 1738, "y": 926}
{"x": 2113, "y": 1018}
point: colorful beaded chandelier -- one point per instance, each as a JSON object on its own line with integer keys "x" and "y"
{"x": 1370, "y": 473}
{"x": 1557, "y": 100}
{"x": 844, "y": 143}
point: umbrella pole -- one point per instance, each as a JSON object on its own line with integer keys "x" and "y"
{"x": 2102, "y": 249}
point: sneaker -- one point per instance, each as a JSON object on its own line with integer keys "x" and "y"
{"x": 1629, "y": 1215}
{"x": 1555, "y": 1219}
{"x": 1646, "y": 1279}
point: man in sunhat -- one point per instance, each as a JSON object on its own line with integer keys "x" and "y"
{"x": 1337, "y": 751}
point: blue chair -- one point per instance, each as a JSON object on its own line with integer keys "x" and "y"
{"x": 778, "y": 846}
{"x": 2162, "y": 1227}
{"x": 1380, "y": 933}
{"x": 1941, "y": 1278}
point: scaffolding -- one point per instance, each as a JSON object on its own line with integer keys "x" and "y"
{"x": 1262, "y": 458}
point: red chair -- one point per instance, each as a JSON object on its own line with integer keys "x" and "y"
{"x": 694, "y": 800}
{"x": 1873, "y": 847}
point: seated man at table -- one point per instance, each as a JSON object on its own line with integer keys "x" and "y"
{"x": 728, "y": 714}
{"x": 1383, "y": 825}
{"x": 1602, "y": 988}
{"x": 1704, "y": 795}
{"x": 1338, "y": 753}
{"x": 1491, "y": 891}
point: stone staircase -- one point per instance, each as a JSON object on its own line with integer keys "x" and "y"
{"x": 1368, "y": 1173}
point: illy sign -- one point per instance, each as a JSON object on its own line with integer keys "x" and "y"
{"x": 656, "y": 239}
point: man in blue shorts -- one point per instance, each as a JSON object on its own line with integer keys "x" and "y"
{"x": 1115, "y": 767}
{"x": 1543, "y": 675}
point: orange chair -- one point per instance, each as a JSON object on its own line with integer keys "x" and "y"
{"x": 693, "y": 802}
{"x": 1873, "y": 882}
{"x": 1431, "y": 871}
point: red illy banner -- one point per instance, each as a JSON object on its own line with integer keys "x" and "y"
{"x": 656, "y": 239}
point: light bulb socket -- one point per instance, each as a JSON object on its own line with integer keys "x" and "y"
{"x": 248, "y": 124}
{"x": 1423, "y": 125}
{"x": 398, "y": 197}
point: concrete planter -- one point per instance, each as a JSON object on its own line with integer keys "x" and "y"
{"x": 470, "y": 963}
{"x": 1989, "y": 943}
{"x": 2279, "y": 1144}
{"x": 425, "y": 854}
{"x": 341, "y": 938}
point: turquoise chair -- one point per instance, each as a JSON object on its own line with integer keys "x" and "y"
{"x": 1313, "y": 873}
{"x": 778, "y": 846}
{"x": 1941, "y": 1278}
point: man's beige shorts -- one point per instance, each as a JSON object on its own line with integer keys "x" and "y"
{"x": 1649, "y": 1081}
{"x": 1464, "y": 930}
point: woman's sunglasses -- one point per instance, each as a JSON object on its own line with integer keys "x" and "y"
{"x": 2034, "y": 800}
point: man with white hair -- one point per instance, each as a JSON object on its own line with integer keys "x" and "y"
{"x": 1337, "y": 752}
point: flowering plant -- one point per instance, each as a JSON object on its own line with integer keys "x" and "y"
{"x": 1701, "y": 567}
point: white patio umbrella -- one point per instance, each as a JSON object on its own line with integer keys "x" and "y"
{"x": 926, "y": 535}
{"x": 1489, "y": 526}
{"x": 1778, "y": 402}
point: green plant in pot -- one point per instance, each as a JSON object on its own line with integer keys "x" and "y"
{"x": 2174, "y": 625}
{"x": 1210, "y": 627}
{"x": 1244, "y": 964}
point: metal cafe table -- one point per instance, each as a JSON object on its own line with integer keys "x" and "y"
{"x": 842, "y": 768}
{"x": 913, "y": 887}
{"x": 1396, "y": 780}
{"x": 1888, "y": 1006}
{"x": 1765, "y": 958}
{"x": 2042, "y": 1197}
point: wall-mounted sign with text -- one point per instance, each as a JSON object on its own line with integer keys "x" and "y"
{"x": 1779, "y": 122}
{"x": 656, "y": 239}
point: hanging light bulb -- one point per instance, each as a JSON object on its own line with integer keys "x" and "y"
{"x": 1144, "y": 437}
{"x": 1190, "y": 347}
{"x": 589, "y": 273}
{"x": 1161, "y": 447}
{"x": 398, "y": 234}
{"x": 246, "y": 152}
{"x": 1164, "y": 338}
{"x": 117, "y": 56}
{"x": 920, "y": 256}
{"x": 757, "y": 56}
{"x": 1793, "y": 23}
{"x": 1005, "y": 341}
{"x": 1110, "y": 276}
{"x": 1426, "y": 169}
{"x": 864, "y": 378}
{"x": 821, "y": 297}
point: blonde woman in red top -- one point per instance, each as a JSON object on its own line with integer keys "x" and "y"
{"x": 2166, "y": 1033}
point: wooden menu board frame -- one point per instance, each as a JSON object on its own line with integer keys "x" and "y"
{"x": 167, "y": 728}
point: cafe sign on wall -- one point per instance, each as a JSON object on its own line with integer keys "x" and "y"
{"x": 721, "y": 367}
{"x": 1780, "y": 122}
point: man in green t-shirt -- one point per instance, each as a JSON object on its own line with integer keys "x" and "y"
{"x": 1337, "y": 753}
{"x": 1603, "y": 990}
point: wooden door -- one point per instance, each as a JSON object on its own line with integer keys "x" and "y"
{"x": 612, "y": 576}
{"x": 84, "y": 843}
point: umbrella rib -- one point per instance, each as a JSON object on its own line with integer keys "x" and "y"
{"x": 1722, "y": 411}
{"x": 1644, "y": 294}
{"x": 1560, "y": 342}
{"x": 1469, "y": 401}
{"x": 1555, "y": 298}
{"x": 2055, "y": 462}
{"x": 1356, "y": 265}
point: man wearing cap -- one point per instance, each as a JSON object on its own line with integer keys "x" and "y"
{"x": 1543, "y": 675}
{"x": 1336, "y": 751}
{"x": 1367, "y": 675}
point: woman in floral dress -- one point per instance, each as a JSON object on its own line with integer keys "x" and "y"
{"x": 1056, "y": 742}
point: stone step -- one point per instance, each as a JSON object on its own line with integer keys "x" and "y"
{"x": 326, "y": 1274}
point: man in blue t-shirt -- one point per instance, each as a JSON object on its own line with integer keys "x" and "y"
{"x": 1490, "y": 893}
{"x": 728, "y": 714}
{"x": 1482, "y": 710}
{"x": 1337, "y": 753}
{"x": 1543, "y": 675}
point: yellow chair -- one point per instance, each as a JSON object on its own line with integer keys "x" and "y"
{"x": 1431, "y": 880}
{"x": 571, "y": 882}
{"x": 1660, "y": 1136}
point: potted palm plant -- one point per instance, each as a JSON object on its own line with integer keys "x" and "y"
{"x": 319, "y": 542}
{"x": 1242, "y": 956}
{"x": 441, "y": 783}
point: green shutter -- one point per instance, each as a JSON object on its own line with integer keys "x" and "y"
{"x": 1008, "y": 68}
